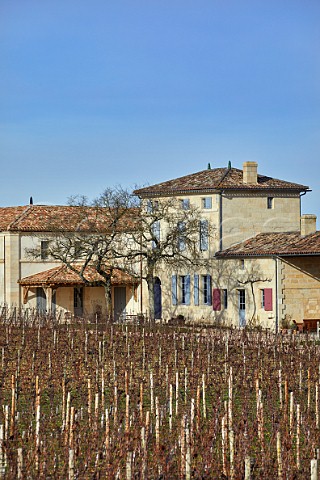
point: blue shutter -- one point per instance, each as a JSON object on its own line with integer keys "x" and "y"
{"x": 204, "y": 235}
{"x": 187, "y": 290}
{"x": 196, "y": 289}
{"x": 209, "y": 290}
{"x": 174, "y": 290}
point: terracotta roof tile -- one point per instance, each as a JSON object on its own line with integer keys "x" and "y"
{"x": 9, "y": 215}
{"x": 216, "y": 179}
{"x": 62, "y": 275}
{"x": 45, "y": 218}
{"x": 290, "y": 243}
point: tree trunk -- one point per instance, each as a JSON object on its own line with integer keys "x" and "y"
{"x": 150, "y": 283}
{"x": 254, "y": 303}
{"x": 107, "y": 293}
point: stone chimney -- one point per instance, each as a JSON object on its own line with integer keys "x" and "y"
{"x": 308, "y": 224}
{"x": 250, "y": 173}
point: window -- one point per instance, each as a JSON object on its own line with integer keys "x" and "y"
{"x": 204, "y": 234}
{"x": 262, "y": 298}
{"x": 185, "y": 203}
{"x": 152, "y": 205}
{"x": 44, "y": 249}
{"x": 181, "y": 236}
{"x": 77, "y": 249}
{"x": 183, "y": 282}
{"x": 242, "y": 264}
{"x": 242, "y": 299}
{"x": 78, "y": 301}
{"x": 207, "y": 202}
{"x": 206, "y": 289}
{"x": 225, "y": 298}
{"x": 270, "y": 202}
{"x": 174, "y": 290}
{"x": 185, "y": 289}
{"x": 155, "y": 233}
{"x": 266, "y": 299}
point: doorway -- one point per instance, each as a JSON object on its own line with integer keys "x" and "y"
{"x": 78, "y": 301}
{"x": 120, "y": 302}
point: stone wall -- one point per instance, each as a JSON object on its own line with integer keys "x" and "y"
{"x": 301, "y": 287}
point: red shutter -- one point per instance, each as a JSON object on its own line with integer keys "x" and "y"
{"x": 216, "y": 299}
{"x": 268, "y": 299}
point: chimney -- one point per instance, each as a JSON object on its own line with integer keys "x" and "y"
{"x": 250, "y": 173}
{"x": 308, "y": 224}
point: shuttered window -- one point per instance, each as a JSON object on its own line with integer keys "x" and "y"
{"x": 155, "y": 233}
{"x": 206, "y": 289}
{"x": 185, "y": 289}
{"x": 207, "y": 202}
{"x": 181, "y": 236}
{"x": 204, "y": 237}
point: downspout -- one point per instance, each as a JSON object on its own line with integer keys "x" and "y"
{"x": 301, "y": 195}
{"x": 277, "y": 293}
{"x": 4, "y": 270}
{"x": 220, "y": 221}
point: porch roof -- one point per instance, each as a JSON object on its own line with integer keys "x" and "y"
{"x": 64, "y": 276}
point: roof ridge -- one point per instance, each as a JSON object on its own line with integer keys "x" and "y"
{"x": 224, "y": 175}
{"x": 19, "y": 217}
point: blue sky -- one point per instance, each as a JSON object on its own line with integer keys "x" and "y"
{"x": 97, "y": 93}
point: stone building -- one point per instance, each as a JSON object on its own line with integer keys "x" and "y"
{"x": 263, "y": 264}
{"x": 42, "y": 283}
{"x": 262, "y": 257}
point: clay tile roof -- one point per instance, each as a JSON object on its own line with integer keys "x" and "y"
{"x": 216, "y": 179}
{"x": 266, "y": 244}
{"x": 46, "y": 218}
{"x": 9, "y": 215}
{"x": 62, "y": 275}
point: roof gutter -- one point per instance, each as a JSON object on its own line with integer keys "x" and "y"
{"x": 277, "y": 281}
{"x": 267, "y": 255}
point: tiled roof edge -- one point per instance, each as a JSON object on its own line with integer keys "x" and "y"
{"x": 19, "y": 217}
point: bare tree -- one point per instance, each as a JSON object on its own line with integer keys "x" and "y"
{"x": 169, "y": 235}
{"x": 92, "y": 245}
{"x": 118, "y": 230}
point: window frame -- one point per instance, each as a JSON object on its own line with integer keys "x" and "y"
{"x": 44, "y": 249}
{"x": 204, "y": 235}
{"x": 185, "y": 203}
{"x": 224, "y": 302}
{"x": 181, "y": 236}
{"x": 184, "y": 289}
{"x": 270, "y": 203}
{"x": 206, "y": 289}
{"x": 206, "y": 203}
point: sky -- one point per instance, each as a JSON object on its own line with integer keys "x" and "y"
{"x": 100, "y": 93}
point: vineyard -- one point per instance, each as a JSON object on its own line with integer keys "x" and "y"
{"x": 157, "y": 402}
